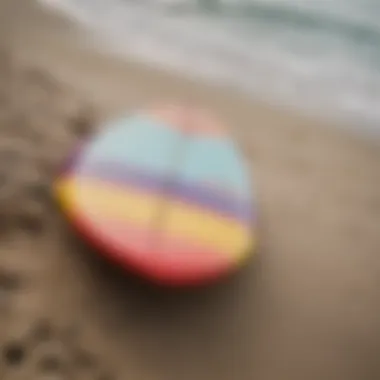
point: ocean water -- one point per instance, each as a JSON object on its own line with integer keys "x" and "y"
{"x": 320, "y": 56}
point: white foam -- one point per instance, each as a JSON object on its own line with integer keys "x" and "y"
{"x": 314, "y": 71}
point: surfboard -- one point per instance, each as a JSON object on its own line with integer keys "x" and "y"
{"x": 165, "y": 193}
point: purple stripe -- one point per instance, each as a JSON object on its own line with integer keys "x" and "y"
{"x": 190, "y": 193}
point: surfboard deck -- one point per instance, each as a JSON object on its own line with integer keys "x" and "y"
{"x": 164, "y": 193}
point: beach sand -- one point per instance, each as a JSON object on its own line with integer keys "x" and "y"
{"x": 306, "y": 307}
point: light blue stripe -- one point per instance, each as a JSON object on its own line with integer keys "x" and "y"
{"x": 137, "y": 141}
{"x": 216, "y": 161}
{"x": 144, "y": 143}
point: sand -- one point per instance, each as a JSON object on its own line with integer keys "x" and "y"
{"x": 306, "y": 307}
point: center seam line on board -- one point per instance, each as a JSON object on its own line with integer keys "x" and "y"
{"x": 179, "y": 153}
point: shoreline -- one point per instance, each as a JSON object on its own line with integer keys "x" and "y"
{"x": 309, "y": 106}
{"x": 68, "y": 38}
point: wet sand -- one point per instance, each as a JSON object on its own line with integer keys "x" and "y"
{"x": 306, "y": 307}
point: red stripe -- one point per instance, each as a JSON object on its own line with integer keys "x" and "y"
{"x": 188, "y": 119}
{"x": 170, "y": 261}
{"x": 189, "y": 261}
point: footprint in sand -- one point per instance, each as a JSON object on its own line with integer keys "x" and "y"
{"x": 50, "y": 353}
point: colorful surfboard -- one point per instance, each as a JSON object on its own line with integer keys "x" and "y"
{"x": 165, "y": 193}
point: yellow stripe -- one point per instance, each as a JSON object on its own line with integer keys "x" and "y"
{"x": 106, "y": 200}
{"x": 221, "y": 233}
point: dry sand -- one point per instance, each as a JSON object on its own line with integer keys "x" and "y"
{"x": 307, "y": 307}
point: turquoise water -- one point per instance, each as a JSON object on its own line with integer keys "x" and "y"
{"x": 321, "y": 56}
